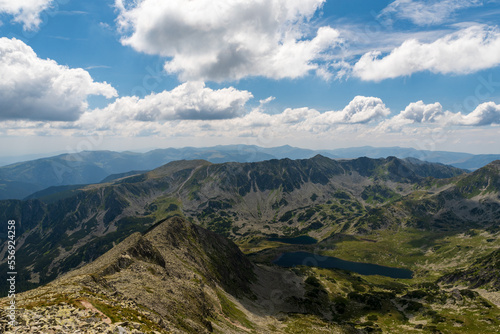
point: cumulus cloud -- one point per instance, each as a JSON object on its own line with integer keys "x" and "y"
{"x": 415, "y": 113}
{"x": 189, "y": 101}
{"x": 218, "y": 112}
{"x": 363, "y": 119}
{"x": 465, "y": 51}
{"x": 361, "y": 109}
{"x": 427, "y": 12}
{"x": 419, "y": 112}
{"x": 228, "y": 39}
{"x": 295, "y": 116}
{"x": 26, "y": 12}
{"x": 40, "y": 89}
{"x": 487, "y": 113}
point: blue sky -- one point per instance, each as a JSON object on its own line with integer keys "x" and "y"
{"x": 134, "y": 75}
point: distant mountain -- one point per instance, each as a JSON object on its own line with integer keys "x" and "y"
{"x": 9, "y": 160}
{"x": 400, "y": 152}
{"x": 476, "y": 161}
{"x": 19, "y": 180}
{"x": 456, "y": 159}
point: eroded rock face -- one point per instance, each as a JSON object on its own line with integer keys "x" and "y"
{"x": 172, "y": 279}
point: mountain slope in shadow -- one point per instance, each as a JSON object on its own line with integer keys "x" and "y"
{"x": 179, "y": 278}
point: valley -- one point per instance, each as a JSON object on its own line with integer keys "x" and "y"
{"x": 167, "y": 231}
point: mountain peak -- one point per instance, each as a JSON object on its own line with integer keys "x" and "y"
{"x": 319, "y": 156}
{"x": 174, "y": 261}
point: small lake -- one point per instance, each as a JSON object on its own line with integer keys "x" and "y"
{"x": 314, "y": 260}
{"x": 302, "y": 240}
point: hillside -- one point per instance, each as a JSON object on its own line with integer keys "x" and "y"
{"x": 176, "y": 277}
{"x": 180, "y": 278}
{"x": 21, "y": 179}
{"x": 468, "y": 201}
{"x": 484, "y": 272}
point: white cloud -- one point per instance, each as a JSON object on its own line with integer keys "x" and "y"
{"x": 267, "y": 100}
{"x": 218, "y": 112}
{"x": 419, "y": 113}
{"x": 228, "y": 39}
{"x": 466, "y": 51}
{"x": 362, "y": 122}
{"x": 191, "y": 101}
{"x": 427, "y": 12}
{"x": 295, "y": 116}
{"x": 26, "y": 12}
{"x": 487, "y": 113}
{"x": 361, "y": 109}
{"x": 414, "y": 113}
{"x": 40, "y": 89}
{"x": 291, "y": 122}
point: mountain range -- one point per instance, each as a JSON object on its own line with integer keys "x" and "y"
{"x": 275, "y": 197}
{"x": 189, "y": 247}
{"x": 21, "y": 179}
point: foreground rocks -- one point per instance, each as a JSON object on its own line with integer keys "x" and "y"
{"x": 64, "y": 318}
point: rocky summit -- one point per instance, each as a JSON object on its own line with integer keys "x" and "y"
{"x": 178, "y": 277}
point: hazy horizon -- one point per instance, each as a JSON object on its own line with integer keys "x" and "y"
{"x": 148, "y": 149}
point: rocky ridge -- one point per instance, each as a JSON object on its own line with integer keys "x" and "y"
{"x": 176, "y": 278}
{"x": 180, "y": 278}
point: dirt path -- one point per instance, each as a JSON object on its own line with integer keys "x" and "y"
{"x": 89, "y": 306}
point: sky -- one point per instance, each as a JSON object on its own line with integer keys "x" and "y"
{"x": 321, "y": 74}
